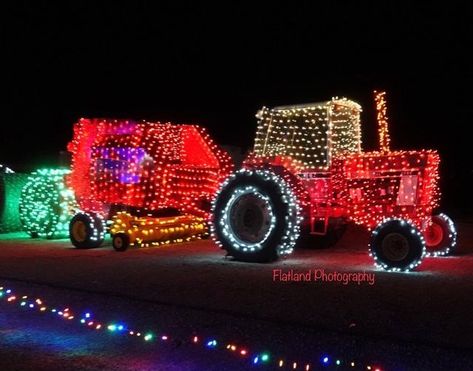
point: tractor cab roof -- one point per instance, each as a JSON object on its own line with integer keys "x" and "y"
{"x": 328, "y": 103}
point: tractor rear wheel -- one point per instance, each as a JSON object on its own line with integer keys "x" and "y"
{"x": 86, "y": 230}
{"x": 256, "y": 216}
{"x": 397, "y": 245}
{"x": 440, "y": 236}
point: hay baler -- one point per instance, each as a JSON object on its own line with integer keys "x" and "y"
{"x": 134, "y": 174}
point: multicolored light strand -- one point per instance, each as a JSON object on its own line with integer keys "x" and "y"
{"x": 88, "y": 320}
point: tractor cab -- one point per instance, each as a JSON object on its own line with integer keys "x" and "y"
{"x": 310, "y": 134}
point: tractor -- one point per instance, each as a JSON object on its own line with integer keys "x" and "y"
{"x": 144, "y": 182}
{"x": 307, "y": 175}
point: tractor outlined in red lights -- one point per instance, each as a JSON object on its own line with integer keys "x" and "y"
{"x": 153, "y": 181}
{"x": 307, "y": 172}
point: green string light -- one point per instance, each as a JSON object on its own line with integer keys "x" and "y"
{"x": 47, "y": 204}
{"x": 11, "y": 185}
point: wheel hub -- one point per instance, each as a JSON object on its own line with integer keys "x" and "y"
{"x": 118, "y": 242}
{"x": 395, "y": 246}
{"x": 250, "y": 218}
{"x": 79, "y": 231}
{"x": 433, "y": 235}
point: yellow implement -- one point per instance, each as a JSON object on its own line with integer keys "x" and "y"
{"x": 128, "y": 230}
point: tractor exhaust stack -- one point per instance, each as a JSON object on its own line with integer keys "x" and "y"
{"x": 382, "y": 118}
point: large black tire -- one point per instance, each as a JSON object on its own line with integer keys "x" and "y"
{"x": 256, "y": 216}
{"x": 441, "y": 236}
{"x": 86, "y": 230}
{"x": 397, "y": 245}
{"x": 120, "y": 242}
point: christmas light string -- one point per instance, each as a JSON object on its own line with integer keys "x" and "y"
{"x": 265, "y": 358}
{"x": 291, "y": 228}
{"x": 11, "y": 184}
{"x": 5, "y": 169}
{"x": 382, "y": 118}
{"x": 309, "y": 133}
{"x": 148, "y": 231}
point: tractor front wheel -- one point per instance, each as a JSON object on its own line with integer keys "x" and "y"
{"x": 440, "y": 236}
{"x": 256, "y": 216}
{"x": 397, "y": 245}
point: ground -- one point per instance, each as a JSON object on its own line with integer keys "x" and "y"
{"x": 417, "y": 320}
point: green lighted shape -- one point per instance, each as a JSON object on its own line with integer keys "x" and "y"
{"x": 46, "y": 204}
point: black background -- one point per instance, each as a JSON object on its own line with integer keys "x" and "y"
{"x": 216, "y": 65}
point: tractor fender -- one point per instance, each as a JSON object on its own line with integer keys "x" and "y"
{"x": 288, "y": 170}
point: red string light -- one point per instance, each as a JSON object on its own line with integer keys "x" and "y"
{"x": 144, "y": 165}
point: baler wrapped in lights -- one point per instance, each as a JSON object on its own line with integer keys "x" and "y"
{"x": 141, "y": 168}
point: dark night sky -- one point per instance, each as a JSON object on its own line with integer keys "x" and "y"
{"x": 216, "y": 65}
